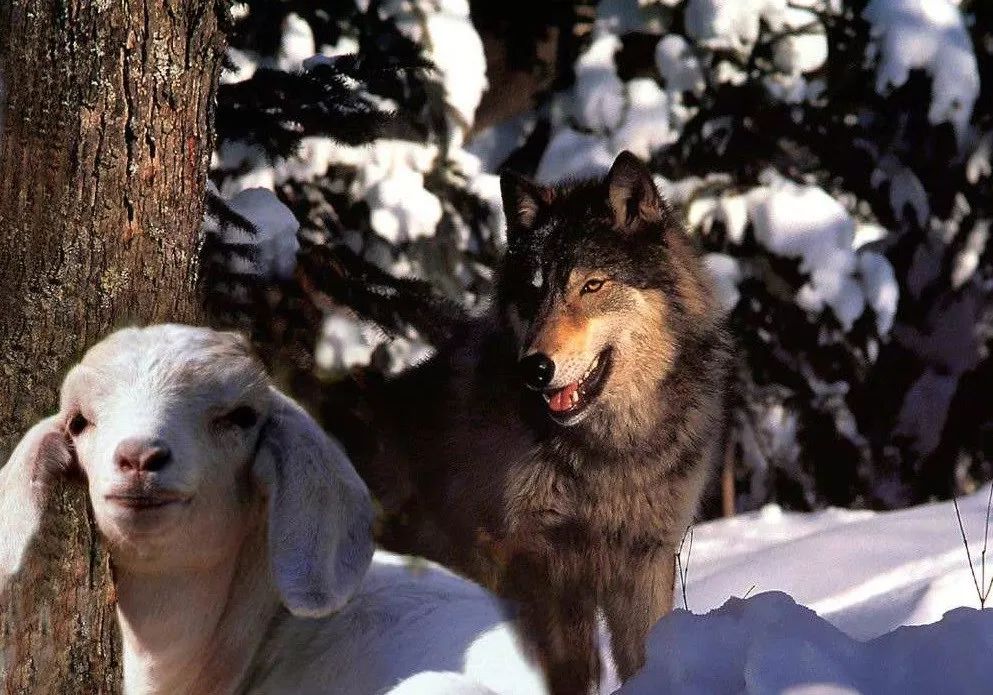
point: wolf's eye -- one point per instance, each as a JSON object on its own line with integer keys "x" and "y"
{"x": 591, "y": 286}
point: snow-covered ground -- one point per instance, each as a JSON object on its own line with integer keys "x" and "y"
{"x": 849, "y": 581}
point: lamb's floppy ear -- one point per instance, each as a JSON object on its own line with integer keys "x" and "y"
{"x": 42, "y": 455}
{"x": 634, "y": 200}
{"x": 522, "y": 201}
{"x": 320, "y": 513}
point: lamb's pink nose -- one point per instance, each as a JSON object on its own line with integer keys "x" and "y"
{"x": 142, "y": 454}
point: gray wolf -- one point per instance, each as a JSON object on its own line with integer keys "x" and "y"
{"x": 555, "y": 447}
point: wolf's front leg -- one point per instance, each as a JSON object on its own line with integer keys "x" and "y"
{"x": 635, "y": 604}
{"x": 558, "y": 626}
{"x": 25, "y": 480}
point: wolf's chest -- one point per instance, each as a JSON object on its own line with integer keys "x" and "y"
{"x": 612, "y": 510}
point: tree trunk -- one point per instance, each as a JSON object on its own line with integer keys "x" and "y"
{"x": 106, "y": 115}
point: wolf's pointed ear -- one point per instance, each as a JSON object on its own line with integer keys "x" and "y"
{"x": 522, "y": 201}
{"x": 634, "y": 199}
{"x": 41, "y": 458}
{"x": 320, "y": 514}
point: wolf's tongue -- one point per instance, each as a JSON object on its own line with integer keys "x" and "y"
{"x": 562, "y": 399}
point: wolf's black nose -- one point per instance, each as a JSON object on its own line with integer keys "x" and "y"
{"x": 537, "y": 370}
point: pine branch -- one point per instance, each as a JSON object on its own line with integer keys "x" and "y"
{"x": 276, "y": 109}
{"x": 336, "y": 276}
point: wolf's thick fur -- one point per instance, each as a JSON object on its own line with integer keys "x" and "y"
{"x": 476, "y": 471}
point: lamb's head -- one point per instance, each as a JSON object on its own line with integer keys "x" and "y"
{"x": 164, "y": 422}
{"x": 183, "y": 441}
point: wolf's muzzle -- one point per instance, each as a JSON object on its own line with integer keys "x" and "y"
{"x": 537, "y": 370}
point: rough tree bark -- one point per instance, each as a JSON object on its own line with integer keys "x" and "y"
{"x": 105, "y": 136}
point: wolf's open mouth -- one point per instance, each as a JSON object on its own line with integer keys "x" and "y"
{"x": 567, "y": 403}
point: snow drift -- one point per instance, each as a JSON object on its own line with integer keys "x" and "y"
{"x": 836, "y": 601}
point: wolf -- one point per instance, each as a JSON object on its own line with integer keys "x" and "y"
{"x": 556, "y": 446}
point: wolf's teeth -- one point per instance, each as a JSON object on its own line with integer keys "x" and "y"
{"x": 589, "y": 370}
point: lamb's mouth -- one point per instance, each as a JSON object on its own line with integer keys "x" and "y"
{"x": 138, "y": 502}
{"x": 568, "y": 404}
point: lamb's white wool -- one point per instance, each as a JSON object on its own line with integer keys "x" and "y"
{"x": 220, "y": 501}
{"x": 440, "y": 683}
{"x": 930, "y": 35}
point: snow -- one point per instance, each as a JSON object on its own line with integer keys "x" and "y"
{"x": 905, "y": 189}
{"x": 572, "y": 154}
{"x": 979, "y": 164}
{"x": 297, "y": 43}
{"x": 795, "y": 31}
{"x": 769, "y": 644}
{"x": 645, "y": 127}
{"x": 457, "y": 51}
{"x": 722, "y": 24}
{"x": 803, "y": 51}
{"x": 862, "y": 575}
{"x": 828, "y": 596}
{"x": 732, "y": 210}
{"x": 929, "y": 35}
{"x": 451, "y": 43}
{"x": 727, "y": 273}
{"x": 343, "y": 343}
{"x": 678, "y": 65}
{"x": 240, "y": 66}
{"x": 719, "y": 24}
{"x": 599, "y": 92}
{"x": 804, "y": 222}
{"x": 275, "y": 237}
{"x": 493, "y": 145}
{"x": 967, "y": 259}
{"x": 879, "y": 284}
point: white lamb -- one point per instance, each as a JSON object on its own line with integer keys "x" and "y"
{"x": 240, "y": 535}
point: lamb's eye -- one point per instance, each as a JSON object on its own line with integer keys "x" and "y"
{"x": 77, "y": 424}
{"x": 243, "y": 417}
{"x": 591, "y": 286}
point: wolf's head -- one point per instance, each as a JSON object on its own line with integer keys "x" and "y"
{"x": 602, "y": 290}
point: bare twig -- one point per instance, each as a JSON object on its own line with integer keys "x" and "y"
{"x": 986, "y": 537}
{"x": 750, "y": 590}
{"x": 982, "y": 589}
{"x": 684, "y": 570}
